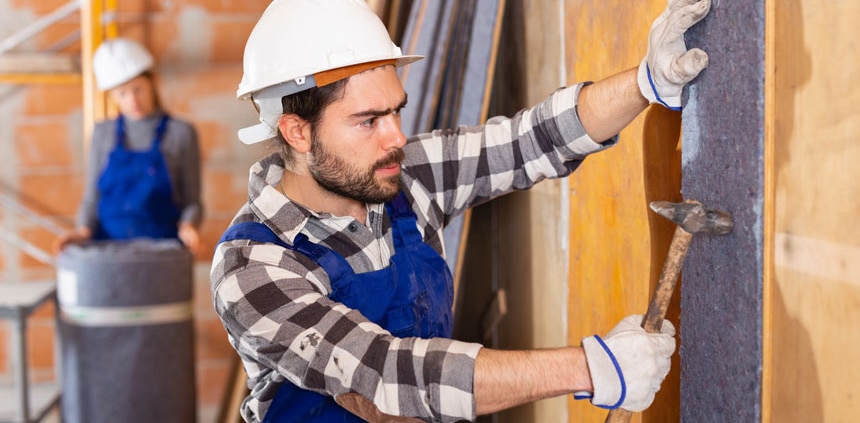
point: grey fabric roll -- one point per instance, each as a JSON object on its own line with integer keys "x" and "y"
{"x": 127, "y": 332}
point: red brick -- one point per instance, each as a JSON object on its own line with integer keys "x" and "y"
{"x": 135, "y": 6}
{"x": 211, "y": 231}
{"x": 40, "y": 238}
{"x": 209, "y": 134}
{"x": 224, "y": 191}
{"x": 58, "y": 32}
{"x": 58, "y": 194}
{"x": 211, "y": 339}
{"x": 183, "y": 88}
{"x": 252, "y": 7}
{"x": 40, "y": 343}
{"x": 212, "y": 378}
{"x": 161, "y": 41}
{"x": 54, "y": 99}
{"x": 43, "y": 144}
{"x": 41, "y": 7}
{"x": 228, "y": 45}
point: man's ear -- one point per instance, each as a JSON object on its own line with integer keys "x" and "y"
{"x": 296, "y": 132}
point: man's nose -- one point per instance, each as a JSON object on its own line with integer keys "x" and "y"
{"x": 394, "y": 137}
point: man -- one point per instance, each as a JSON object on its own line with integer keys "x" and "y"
{"x": 330, "y": 280}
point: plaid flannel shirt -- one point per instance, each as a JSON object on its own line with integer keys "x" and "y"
{"x": 272, "y": 301}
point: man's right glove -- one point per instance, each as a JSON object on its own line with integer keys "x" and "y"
{"x": 628, "y": 366}
{"x": 669, "y": 66}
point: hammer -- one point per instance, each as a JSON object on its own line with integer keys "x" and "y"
{"x": 692, "y": 218}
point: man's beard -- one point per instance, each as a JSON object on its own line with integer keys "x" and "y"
{"x": 339, "y": 177}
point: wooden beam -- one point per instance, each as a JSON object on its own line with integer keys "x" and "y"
{"x": 39, "y": 63}
{"x": 40, "y": 78}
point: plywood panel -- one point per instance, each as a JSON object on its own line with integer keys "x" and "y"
{"x": 815, "y": 296}
{"x": 616, "y": 246}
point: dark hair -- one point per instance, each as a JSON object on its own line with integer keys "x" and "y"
{"x": 308, "y": 105}
{"x": 156, "y": 98}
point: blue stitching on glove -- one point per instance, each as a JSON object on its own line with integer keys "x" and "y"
{"x": 620, "y": 376}
{"x": 656, "y": 94}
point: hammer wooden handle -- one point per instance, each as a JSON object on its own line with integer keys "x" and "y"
{"x": 653, "y": 319}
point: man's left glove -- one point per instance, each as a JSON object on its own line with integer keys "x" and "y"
{"x": 669, "y": 66}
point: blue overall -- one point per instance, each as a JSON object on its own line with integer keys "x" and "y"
{"x": 412, "y": 297}
{"x": 135, "y": 193}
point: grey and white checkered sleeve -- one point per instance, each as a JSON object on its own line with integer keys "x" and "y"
{"x": 467, "y": 166}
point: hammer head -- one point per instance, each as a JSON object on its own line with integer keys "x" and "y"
{"x": 695, "y": 218}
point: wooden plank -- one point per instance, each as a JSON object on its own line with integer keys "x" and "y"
{"x": 452, "y": 85}
{"x": 617, "y": 246}
{"x": 769, "y": 211}
{"x": 39, "y": 68}
{"x": 815, "y": 293}
{"x": 429, "y": 22}
{"x": 236, "y": 391}
{"x": 43, "y": 63}
{"x": 40, "y": 78}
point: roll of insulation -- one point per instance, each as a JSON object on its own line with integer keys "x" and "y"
{"x": 127, "y": 332}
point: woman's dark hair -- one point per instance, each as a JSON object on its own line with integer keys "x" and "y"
{"x": 156, "y": 98}
{"x": 308, "y": 105}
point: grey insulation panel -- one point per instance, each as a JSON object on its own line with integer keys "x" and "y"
{"x": 126, "y": 372}
{"x": 723, "y": 162}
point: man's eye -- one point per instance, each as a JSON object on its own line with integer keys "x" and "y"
{"x": 369, "y": 122}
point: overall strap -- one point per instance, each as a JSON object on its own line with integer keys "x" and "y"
{"x": 159, "y": 131}
{"x": 254, "y": 231}
{"x": 405, "y": 222}
{"x": 333, "y": 263}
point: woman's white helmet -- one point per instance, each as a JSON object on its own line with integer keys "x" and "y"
{"x": 294, "y": 40}
{"x": 118, "y": 61}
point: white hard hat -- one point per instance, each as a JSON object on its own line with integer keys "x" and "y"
{"x": 296, "y": 41}
{"x": 118, "y": 61}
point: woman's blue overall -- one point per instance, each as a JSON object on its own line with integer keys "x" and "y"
{"x": 412, "y": 297}
{"x": 135, "y": 193}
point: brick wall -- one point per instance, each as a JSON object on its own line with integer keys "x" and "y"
{"x": 198, "y": 47}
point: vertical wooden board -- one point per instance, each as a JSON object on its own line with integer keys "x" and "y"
{"x": 532, "y": 258}
{"x": 721, "y": 301}
{"x": 453, "y": 86}
{"x": 478, "y": 73}
{"x": 425, "y": 34}
{"x": 617, "y": 247}
{"x": 815, "y": 306}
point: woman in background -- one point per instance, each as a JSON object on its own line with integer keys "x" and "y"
{"x": 143, "y": 176}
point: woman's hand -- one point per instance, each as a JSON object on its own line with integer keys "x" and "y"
{"x": 189, "y": 236}
{"x": 80, "y": 234}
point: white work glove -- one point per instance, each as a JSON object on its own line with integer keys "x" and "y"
{"x": 669, "y": 66}
{"x": 628, "y": 366}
